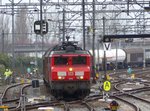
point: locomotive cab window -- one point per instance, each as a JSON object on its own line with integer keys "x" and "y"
{"x": 60, "y": 60}
{"x": 79, "y": 60}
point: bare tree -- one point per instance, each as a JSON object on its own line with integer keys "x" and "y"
{"x": 4, "y": 32}
{"x": 53, "y": 29}
{"x": 21, "y": 28}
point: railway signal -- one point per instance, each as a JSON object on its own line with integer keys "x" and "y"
{"x": 44, "y": 27}
{"x": 106, "y": 86}
{"x": 114, "y": 105}
{"x": 105, "y": 39}
{"x": 41, "y": 28}
{"x": 107, "y": 46}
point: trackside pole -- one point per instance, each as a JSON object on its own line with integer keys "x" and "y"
{"x": 1, "y": 102}
{"x": 23, "y": 102}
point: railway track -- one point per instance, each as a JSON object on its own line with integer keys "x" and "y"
{"x": 86, "y": 105}
{"x": 138, "y": 71}
{"x": 5, "y": 98}
{"x": 129, "y": 96}
{"x": 130, "y": 103}
{"x": 10, "y": 100}
{"x": 143, "y": 104}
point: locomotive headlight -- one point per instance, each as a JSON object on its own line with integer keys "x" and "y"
{"x": 70, "y": 69}
{"x": 61, "y": 74}
{"x": 59, "y": 77}
{"x": 79, "y": 73}
{"x": 81, "y": 77}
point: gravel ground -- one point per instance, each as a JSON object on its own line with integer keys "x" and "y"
{"x": 130, "y": 85}
{"x": 144, "y": 95}
{"x": 99, "y": 105}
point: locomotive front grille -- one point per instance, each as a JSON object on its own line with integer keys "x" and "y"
{"x": 72, "y": 84}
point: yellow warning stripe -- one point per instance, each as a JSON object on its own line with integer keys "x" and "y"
{"x": 3, "y": 107}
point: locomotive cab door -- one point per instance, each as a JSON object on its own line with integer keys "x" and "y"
{"x": 46, "y": 69}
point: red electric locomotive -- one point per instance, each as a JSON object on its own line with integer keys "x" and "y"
{"x": 67, "y": 70}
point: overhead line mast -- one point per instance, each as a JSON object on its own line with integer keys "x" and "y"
{"x": 93, "y": 44}
{"x": 13, "y": 39}
{"x": 83, "y": 23}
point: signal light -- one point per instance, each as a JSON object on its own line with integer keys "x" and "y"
{"x": 105, "y": 39}
{"x": 41, "y": 26}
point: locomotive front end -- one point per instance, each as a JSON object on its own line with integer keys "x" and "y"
{"x": 71, "y": 74}
{"x": 67, "y": 70}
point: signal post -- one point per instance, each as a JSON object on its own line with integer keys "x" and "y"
{"x": 106, "y": 89}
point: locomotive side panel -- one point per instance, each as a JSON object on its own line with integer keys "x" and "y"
{"x": 45, "y": 69}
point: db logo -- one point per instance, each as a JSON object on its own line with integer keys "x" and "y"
{"x": 70, "y": 74}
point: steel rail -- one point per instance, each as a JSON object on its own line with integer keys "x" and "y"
{"x": 138, "y": 98}
{"x": 131, "y": 104}
{"x": 88, "y": 106}
{"x": 9, "y": 87}
{"x": 22, "y": 93}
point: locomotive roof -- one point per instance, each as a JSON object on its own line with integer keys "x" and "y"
{"x": 77, "y": 52}
{"x": 66, "y": 48}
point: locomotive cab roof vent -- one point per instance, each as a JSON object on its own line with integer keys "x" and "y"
{"x": 69, "y": 46}
{"x": 70, "y": 49}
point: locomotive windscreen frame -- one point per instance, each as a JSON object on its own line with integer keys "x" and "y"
{"x": 78, "y": 60}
